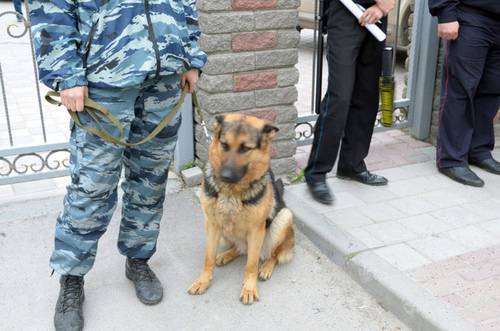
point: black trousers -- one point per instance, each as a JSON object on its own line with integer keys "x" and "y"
{"x": 349, "y": 108}
{"x": 470, "y": 92}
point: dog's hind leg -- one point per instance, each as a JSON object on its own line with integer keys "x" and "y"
{"x": 227, "y": 256}
{"x": 282, "y": 241}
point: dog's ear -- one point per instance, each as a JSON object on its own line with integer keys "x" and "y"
{"x": 219, "y": 119}
{"x": 269, "y": 130}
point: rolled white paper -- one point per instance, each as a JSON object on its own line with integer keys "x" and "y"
{"x": 357, "y": 12}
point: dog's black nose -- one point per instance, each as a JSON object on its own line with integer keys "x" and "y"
{"x": 227, "y": 175}
{"x": 232, "y": 175}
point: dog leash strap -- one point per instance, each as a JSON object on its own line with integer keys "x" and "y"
{"x": 208, "y": 138}
{"x": 91, "y": 106}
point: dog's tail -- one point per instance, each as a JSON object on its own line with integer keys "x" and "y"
{"x": 280, "y": 187}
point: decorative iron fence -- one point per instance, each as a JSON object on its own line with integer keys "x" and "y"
{"x": 25, "y": 151}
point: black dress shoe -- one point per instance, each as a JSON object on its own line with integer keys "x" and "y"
{"x": 462, "y": 175}
{"x": 366, "y": 178}
{"x": 321, "y": 192}
{"x": 490, "y": 165}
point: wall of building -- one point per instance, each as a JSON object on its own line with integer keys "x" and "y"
{"x": 252, "y": 48}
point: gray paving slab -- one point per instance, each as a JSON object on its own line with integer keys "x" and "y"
{"x": 414, "y": 305}
{"x": 425, "y": 222}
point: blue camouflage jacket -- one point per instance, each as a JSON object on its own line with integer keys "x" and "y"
{"x": 113, "y": 43}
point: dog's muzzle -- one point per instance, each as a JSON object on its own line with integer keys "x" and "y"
{"x": 232, "y": 175}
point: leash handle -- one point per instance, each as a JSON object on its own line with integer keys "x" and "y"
{"x": 90, "y": 106}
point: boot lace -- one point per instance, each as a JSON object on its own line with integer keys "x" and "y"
{"x": 142, "y": 270}
{"x": 71, "y": 293}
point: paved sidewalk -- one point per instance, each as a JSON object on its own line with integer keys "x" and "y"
{"x": 425, "y": 246}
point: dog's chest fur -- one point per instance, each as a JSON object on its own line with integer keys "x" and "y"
{"x": 237, "y": 206}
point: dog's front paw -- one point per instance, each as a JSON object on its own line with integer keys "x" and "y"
{"x": 248, "y": 296}
{"x": 199, "y": 287}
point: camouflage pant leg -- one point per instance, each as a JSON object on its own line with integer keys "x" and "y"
{"x": 146, "y": 170}
{"x": 95, "y": 167}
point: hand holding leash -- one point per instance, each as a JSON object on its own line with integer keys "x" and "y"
{"x": 91, "y": 106}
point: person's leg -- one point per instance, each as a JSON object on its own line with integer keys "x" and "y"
{"x": 146, "y": 171}
{"x": 146, "y": 168}
{"x": 95, "y": 167}
{"x": 486, "y": 104}
{"x": 363, "y": 109}
{"x": 18, "y": 9}
{"x": 462, "y": 69}
{"x": 345, "y": 36}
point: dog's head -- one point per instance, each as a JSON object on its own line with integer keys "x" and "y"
{"x": 239, "y": 151}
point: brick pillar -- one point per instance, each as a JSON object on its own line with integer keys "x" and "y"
{"x": 252, "y": 48}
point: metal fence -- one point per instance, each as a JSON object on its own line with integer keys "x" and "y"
{"x": 26, "y": 150}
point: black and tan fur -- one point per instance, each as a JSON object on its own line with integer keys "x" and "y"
{"x": 242, "y": 203}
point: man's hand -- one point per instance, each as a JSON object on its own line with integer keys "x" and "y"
{"x": 191, "y": 77}
{"x": 371, "y": 15}
{"x": 385, "y": 5}
{"x": 72, "y": 98}
{"x": 448, "y": 31}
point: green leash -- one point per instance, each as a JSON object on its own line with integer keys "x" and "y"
{"x": 91, "y": 106}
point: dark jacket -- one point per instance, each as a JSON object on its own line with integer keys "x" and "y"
{"x": 446, "y": 10}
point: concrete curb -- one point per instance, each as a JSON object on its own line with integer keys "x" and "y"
{"x": 394, "y": 290}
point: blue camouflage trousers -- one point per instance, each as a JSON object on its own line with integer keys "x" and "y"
{"x": 96, "y": 166}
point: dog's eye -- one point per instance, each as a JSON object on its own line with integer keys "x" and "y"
{"x": 225, "y": 146}
{"x": 244, "y": 149}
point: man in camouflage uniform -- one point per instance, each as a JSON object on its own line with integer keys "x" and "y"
{"x": 132, "y": 57}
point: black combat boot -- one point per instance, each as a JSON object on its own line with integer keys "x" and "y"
{"x": 69, "y": 313}
{"x": 147, "y": 287}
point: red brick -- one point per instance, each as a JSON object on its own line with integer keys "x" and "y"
{"x": 255, "y": 81}
{"x": 482, "y": 255}
{"x": 482, "y": 291}
{"x": 265, "y": 114}
{"x": 454, "y": 300}
{"x": 254, "y": 4}
{"x": 272, "y": 152}
{"x": 445, "y": 285}
{"x": 251, "y": 41}
{"x": 493, "y": 325}
{"x": 438, "y": 269}
{"x": 481, "y": 272}
{"x": 482, "y": 312}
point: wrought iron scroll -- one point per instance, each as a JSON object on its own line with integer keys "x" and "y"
{"x": 399, "y": 116}
{"x": 304, "y": 126}
{"x": 34, "y": 163}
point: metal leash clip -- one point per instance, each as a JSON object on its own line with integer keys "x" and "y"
{"x": 208, "y": 138}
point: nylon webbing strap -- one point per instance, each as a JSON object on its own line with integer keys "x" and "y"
{"x": 91, "y": 106}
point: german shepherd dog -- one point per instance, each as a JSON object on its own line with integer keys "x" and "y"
{"x": 242, "y": 203}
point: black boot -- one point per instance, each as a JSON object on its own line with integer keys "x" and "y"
{"x": 147, "y": 287}
{"x": 69, "y": 313}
